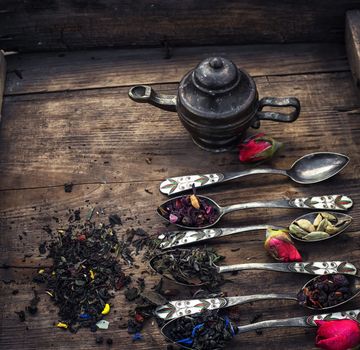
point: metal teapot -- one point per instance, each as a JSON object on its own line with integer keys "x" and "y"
{"x": 217, "y": 102}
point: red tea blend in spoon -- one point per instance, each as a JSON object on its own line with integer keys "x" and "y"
{"x": 190, "y": 211}
{"x": 326, "y": 291}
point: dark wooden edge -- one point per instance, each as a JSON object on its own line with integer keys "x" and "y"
{"x": 2, "y": 77}
{"x": 352, "y": 38}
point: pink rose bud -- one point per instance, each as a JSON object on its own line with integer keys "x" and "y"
{"x": 338, "y": 334}
{"x": 257, "y": 148}
{"x": 279, "y": 245}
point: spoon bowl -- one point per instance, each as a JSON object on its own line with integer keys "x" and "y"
{"x": 343, "y": 220}
{"x": 317, "y": 167}
{"x": 353, "y": 287}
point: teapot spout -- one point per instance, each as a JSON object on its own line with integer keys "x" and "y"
{"x": 145, "y": 93}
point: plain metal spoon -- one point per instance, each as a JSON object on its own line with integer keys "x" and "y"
{"x": 310, "y": 268}
{"x": 180, "y": 238}
{"x": 179, "y": 308}
{"x": 304, "y": 321}
{"x": 324, "y": 202}
{"x": 309, "y": 169}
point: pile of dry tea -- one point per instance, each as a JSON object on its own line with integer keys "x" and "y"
{"x": 326, "y": 291}
{"x": 84, "y": 273}
{"x": 189, "y": 211}
{"x": 203, "y": 331}
{"x": 190, "y": 266}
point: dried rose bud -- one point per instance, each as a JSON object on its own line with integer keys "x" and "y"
{"x": 279, "y": 245}
{"x": 257, "y": 148}
{"x": 338, "y": 334}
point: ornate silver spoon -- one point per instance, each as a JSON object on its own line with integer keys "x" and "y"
{"x": 304, "y": 321}
{"x": 310, "y": 268}
{"x": 324, "y": 202}
{"x": 309, "y": 169}
{"x": 180, "y": 238}
{"x": 179, "y": 308}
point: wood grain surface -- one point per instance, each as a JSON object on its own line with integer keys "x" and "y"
{"x": 353, "y": 44}
{"x": 62, "y": 126}
{"x": 2, "y": 78}
{"x": 38, "y": 25}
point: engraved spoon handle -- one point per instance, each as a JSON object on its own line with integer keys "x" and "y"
{"x": 179, "y": 308}
{"x": 324, "y": 202}
{"x": 305, "y": 321}
{"x": 184, "y": 183}
{"x": 179, "y": 238}
{"x": 311, "y": 268}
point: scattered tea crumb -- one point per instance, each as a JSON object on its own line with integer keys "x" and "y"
{"x": 42, "y": 248}
{"x": 68, "y": 187}
{"x": 148, "y": 160}
{"x": 256, "y": 317}
{"x": 32, "y": 308}
{"x": 131, "y": 293}
{"x": 21, "y": 315}
{"x": 99, "y": 340}
{"x": 114, "y": 219}
{"x": 148, "y": 191}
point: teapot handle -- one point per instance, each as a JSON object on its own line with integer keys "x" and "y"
{"x": 145, "y": 93}
{"x": 276, "y": 116}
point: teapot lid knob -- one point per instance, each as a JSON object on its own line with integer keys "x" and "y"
{"x": 216, "y": 63}
{"x": 216, "y": 75}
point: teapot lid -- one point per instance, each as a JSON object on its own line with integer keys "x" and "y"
{"x": 217, "y": 89}
{"x": 216, "y": 75}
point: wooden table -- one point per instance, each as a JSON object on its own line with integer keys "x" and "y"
{"x": 67, "y": 118}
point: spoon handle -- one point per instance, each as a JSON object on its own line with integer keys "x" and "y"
{"x": 324, "y": 202}
{"x": 179, "y": 238}
{"x": 304, "y": 321}
{"x": 178, "y": 308}
{"x": 311, "y": 268}
{"x": 184, "y": 183}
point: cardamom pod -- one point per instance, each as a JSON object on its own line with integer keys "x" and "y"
{"x": 305, "y": 225}
{"x": 317, "y": 220}
{"x": 323, "y": 224}
{"x": 297, "y": 231}
{"x": 328, "y": 216}
{"x": 312, "y": 236}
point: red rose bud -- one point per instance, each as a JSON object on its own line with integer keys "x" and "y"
{"x": 338, "y": 335}
{"x": 257, "y": 148}
{"x": 279, "y": 245}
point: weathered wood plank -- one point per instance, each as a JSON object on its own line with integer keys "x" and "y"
{"x": 353, "y": 44}
{"x": 47, "y": 72}
{"x": 102, "y": 136}
{"x": 68, "y": 25}
{"x": 2, "y": 78}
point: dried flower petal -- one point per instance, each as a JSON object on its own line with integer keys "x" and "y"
{"x": 106, "y": 309}
{"x": 173, "y": 218}
{"x": 194, "y": 201}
